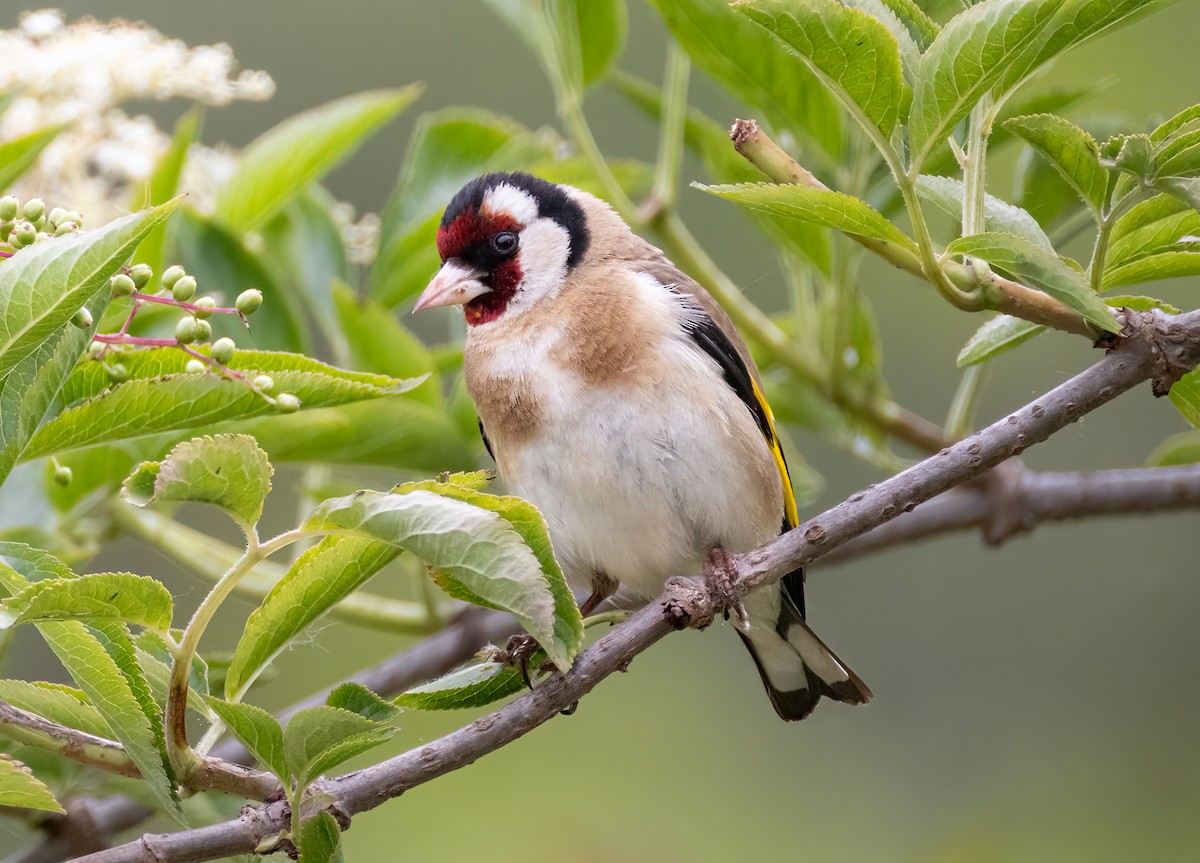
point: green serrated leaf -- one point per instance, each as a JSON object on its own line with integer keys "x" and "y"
{"x": 396, "y": 433}
{"x": 1070, "y": 150}
{"x": 358, "y": 699}
{"x": 284, "y": 159}
{"x": 18, "y": 155}
{"x": 855, "y": 55}
{"x": 100, "y": 666}
{"x": 186, "y": 401}
{"x": 229, "y": 471}
{"x": 44, "y": 285}
{"x": 21, "y": 789}
{"x": 476, "y": 547}
{"x": 997, "y": 335}
{"x": 61, "y": 704}
{"x": 1185, "y": 395}
{"x": 746, "y": 59}
{"x": 319, "y": 840}
{"x": 1183, "y": 448}
{"x": 135, "y": 599}
{"x": 994, "y": 47}
{"x": 1132, "y": 154}
{"x": 470, "y": 686}
{"x": 318, "y": 739}
{"x": 27, "y": 392}
{"x": 531, "y": 526}
{"x": 822, "y": 206}
{"x": 1162, "y": 224}
{"x": 1166, "y": 265}
{"x": 946, "y": 193}
{"x": 322, "y": 576}
{"x": 1034, "y": 266}
{"x": 155, "y": 659}
{"x": 258, "y": 731}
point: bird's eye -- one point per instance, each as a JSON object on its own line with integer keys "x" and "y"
{"x": 505, "y": 242}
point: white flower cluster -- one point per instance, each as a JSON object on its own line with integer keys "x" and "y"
{"x": 80, "y": 73}
{"x": 361, "y": 235}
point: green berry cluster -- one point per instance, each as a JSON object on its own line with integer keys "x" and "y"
{"x": 177, "y": 288}
{"x": 22, "y": 226}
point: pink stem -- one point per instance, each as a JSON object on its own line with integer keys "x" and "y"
{"x": 129, "y": 320}
{"x": 170, "y": 301}
{"x": 123, "y": 339}
{"x": 7, "y": 254}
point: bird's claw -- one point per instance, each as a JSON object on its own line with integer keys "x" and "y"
{"x": 518, "y": 652}
{"x": 719, "y": 572}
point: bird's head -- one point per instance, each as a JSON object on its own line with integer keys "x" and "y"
{"x": 506, "y": 241}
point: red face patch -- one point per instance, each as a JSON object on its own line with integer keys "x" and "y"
{"x": 470, "y": 227}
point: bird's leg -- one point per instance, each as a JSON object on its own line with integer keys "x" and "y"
{"x": 603, "y": 587}
{"x": 720, "y": 569}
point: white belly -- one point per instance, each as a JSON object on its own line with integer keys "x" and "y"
{"x": 640, "y": 485}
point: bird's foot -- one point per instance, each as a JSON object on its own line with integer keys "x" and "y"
{"x": 520, "y": 651}
{"x": 720, "y": 570}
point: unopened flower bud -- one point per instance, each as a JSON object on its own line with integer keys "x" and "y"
{"x": 24, "y": 234}
{"x": 266, "y": 383}
{"x": 82, "y": 318}
{"x": 117, "y": 372}
{"x": 34, "y": 209}
{"x": 222, "y": 350}
{"x": 122, "y": 285}
{"x": 141, "y": 275}
{"x": 184, "y": 288}
{"x": 287, "y": 403}
{"x": 204, "y": 307}
{"x": 185, "y": 330}
{"x": 6, "y": 229}
{"x": 62, "y": 476}
{"x": 9, "y": 207}
{"x": 42, "y": 235}
{"x": 194, "y": 367}
{"x": 72, "y": 216}
{"x": 56, "y": 216}
{"x": 40, "y": 223}
{"x": 171, "y": 275}
{"x": 203, "y": 330}
{"x": 97, "y": 349}
{"x": 248, "y": 302}
{"x": 65, "y": 228}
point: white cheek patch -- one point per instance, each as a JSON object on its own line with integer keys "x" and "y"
{"x": 545, "y": 247}
{"x": 518, "y": 203}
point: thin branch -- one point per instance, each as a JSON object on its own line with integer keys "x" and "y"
{"x": 33, "y": 730}
{"x": 427, "y": 659}
{"x": 85, "y": 828}
{"x": 1021, "y": 500}
{"x": 980, "y": 292}
{"x": 1153, "y": 347}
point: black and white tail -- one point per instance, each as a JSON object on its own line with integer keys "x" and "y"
{"x": 796, "y": 667}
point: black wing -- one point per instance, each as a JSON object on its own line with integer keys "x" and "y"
{"x": 711, "y": 339}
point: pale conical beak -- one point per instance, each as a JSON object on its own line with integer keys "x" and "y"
{"x": 454, "y": 285}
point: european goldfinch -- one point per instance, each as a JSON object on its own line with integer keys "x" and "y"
{"x": 616, "y": 396}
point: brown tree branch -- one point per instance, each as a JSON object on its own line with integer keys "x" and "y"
{"x": 1153, "y": 347}
{"x": 1019, "y": 502}
{"x": 991, "y": 291}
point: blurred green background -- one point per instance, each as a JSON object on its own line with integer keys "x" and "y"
{"x": 1037, "y": 702}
